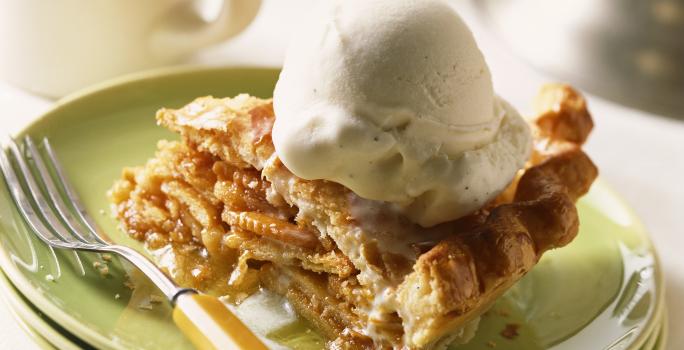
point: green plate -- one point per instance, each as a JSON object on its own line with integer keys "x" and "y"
{"x": 45, "y": 332}
{"x": 603, "y": 291}
{"x": 48, "y": 335}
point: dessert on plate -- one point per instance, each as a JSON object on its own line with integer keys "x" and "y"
{"x": 385, "y": 191}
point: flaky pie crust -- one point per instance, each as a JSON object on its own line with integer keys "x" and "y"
{"x": 223, "y": 191}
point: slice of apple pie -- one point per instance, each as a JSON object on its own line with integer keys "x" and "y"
{"x": 223, "y": 214}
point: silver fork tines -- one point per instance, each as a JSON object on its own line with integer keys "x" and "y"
{"x": 60, "y": 219}
{"x": 71, "y": 193}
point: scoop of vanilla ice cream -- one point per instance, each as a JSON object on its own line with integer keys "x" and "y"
{"x": 394, "y": 100}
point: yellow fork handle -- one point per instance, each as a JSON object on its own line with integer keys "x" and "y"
{"x": 209, "y": 325}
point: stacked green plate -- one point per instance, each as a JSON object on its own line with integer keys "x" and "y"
{"x": 603, "y": 291}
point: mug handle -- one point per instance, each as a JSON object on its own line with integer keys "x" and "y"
{"x": 184, "y": 31}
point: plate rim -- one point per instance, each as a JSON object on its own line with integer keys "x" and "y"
{"x": 134, "y": 77}
{"x": 659, "y": 277}
{"x": 40, "y": 332}
{"x": 13, "y": 274}
{"x": 96, "y": 339}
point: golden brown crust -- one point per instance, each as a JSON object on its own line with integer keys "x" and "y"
{"x": 438, "y": 287}
{"x": 463, "y": 275}
{"x": 237, "y": 130}
{"x": 474, "y": 268}
{"x": 562, "y": 114}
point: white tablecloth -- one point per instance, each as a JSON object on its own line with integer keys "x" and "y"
{"x": 640, "y": 155}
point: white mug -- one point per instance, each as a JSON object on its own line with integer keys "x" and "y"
{"x": 53, "y": 47}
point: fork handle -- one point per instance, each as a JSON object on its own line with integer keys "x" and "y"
{"x": 209, "y": 325}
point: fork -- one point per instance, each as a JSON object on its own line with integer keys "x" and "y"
{"x": 42, "y": 194}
